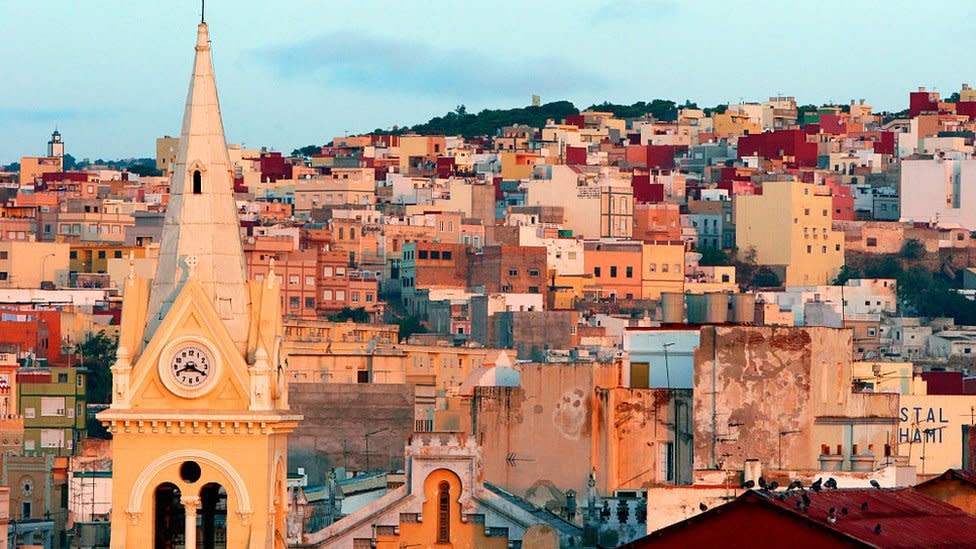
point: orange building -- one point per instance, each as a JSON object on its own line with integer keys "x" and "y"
{"x": 615, "y": 266}
{"x": 657, "y": 221}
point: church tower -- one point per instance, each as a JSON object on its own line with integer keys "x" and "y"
{"x": 199, "y": 412}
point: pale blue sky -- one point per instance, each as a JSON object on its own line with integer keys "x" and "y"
{"x": 112, "y": 74}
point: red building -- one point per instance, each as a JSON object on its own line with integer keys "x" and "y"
{"x": 509, "y": 269}
{"x": 789, "y": 146}
{"x": 37, "y": 332}
{"x": 922, "y": 101}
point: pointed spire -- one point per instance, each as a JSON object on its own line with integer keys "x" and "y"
{"x": 201, "y": 219}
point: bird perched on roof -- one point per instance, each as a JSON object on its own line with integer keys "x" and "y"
{"x": 748, "y": 484}
{"x": 877, "y": 528}
{"x": 843, "y": 511}
{"x": 773, "y": 486}
{"x": 762, "y": 483}
{"x": 806, "y": 499}
{"x": 831, "y": 483}
{"x": 816, "y": 485}
{"x": 794, "y": 485}
{"x": 703, "y": 507}
{"x": 875, "y": 483}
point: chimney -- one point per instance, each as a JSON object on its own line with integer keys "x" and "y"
{"x": 752, "y": 470}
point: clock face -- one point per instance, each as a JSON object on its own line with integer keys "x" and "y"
{"x": 191, "y": 366}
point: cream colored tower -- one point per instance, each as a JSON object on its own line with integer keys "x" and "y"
{"x": 199, "y": 411}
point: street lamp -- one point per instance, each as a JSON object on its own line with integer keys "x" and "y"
{"x": 366, "y": 437}
{"x": 781, "y": 435}
{"x": 43, "y": 264}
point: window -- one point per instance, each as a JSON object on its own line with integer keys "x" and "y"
{"x": 533, "y": 272}
{"x": 596, "y": 272}
{"x": 422, "y": 254}
{"x": 340, "y": 295}
{"x": 823, "y": 249}
{"x": 309, "y": 302}
{"x": 52, "y": 406}
{"x": 293, "y": 280}
{"x": 101, "y": 254}
{"x": 354, "y": 296}
{"x": 837, "y": 247}
{"x": 664, "y": 267}
{"x": 327, "y": 295}
{"x": 435, "y": 254}
{"x": 652, "y": 267}
{"x": 446, "y": 255}
{"x": 310, "y": 281}
{"x": 4, "y": 255}
{"x": 197, "y": 182}
{"x": 62, "y": 378}
{"x": 362, "y": 376}
{"x": 118, "y": 254}
{"x": 444, "y": 513}
{"x": 293, "y": 302}
{"x": 872, "y": 242}
{"x": 513, "y": 272}
{"x": 809, "y": 249}
{"x": 326, "y": 271}
{"x": 533, "y": 289}
{"x": 3, "y": 275}
{"x": 340, "y": 271}
{"x": 73, "y": 254}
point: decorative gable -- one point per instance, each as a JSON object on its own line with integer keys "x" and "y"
{"x": 191, "y": 320}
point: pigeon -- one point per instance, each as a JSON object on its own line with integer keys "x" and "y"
{"x": 748, "y": 484}
{"x": 875, "y": 483}
{"x": 816, "y": 485}
{"x": 806, "y": 499}
{"x": 831, "y": 483}
{"x": 703, "y": 507}
{"x": 773, "y": 486}
{"x": 877, "y": 528}
{"x": 864, "y": 506}
{"x": 794, "y": 485}
{"x": 843, "y": 511}
{"x": 762, "y": 483}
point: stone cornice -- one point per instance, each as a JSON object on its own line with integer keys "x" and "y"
{"x": 198, "y": 423}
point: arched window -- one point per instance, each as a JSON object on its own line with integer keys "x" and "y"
{"x": 444, "y": 513}
{"x": 197, "y": 182}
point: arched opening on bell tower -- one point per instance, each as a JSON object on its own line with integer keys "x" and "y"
{"x": 212, "y": 519}
{"x": 169, "y": 518}
{"x": 197, "y": 182}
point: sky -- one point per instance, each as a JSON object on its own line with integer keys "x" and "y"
{"x": 112, "y": 74}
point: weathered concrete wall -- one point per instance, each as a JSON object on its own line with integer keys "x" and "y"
{"x": 337, "y": 417}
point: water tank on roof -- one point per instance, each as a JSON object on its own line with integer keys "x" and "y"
{"x": 696, "y": 308}
{"x": 672, "y": 307}
{"x": 716, "y": 308}
{"x": 743, "y": 308}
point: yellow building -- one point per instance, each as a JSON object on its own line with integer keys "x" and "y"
{"x": 199, "y": 412}
{"x": 663, "y": 269}
{"x": 517, "y": 165}
{"x": 731, "y": 124}
{"x": 790, "y": 228}
{"x": 166, "y": 149}
{"x": 25, "y": 264}
{"x": 93, "y": 257}
{"x": 33, "y": 168}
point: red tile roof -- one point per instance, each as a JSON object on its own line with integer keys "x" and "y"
{"x": 907, "y": 518}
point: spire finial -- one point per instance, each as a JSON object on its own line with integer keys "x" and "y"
{"x": 203, "y": 6}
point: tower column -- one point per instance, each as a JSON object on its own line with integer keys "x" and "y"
{"x": 191, "y": 504}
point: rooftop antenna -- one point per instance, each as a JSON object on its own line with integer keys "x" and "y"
{"x": 203, "y": 5}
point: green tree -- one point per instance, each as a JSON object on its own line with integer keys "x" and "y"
{"x": 712, "y": 256}
{"x": 97, "y": 354}
{"x": 358, "y": 314}
{"x": 409, "y": 325}
{"x": 912, "y": 249}
{"x": 765, "y": 278}
{"x": 307, "y": 151}
{"x": 846, "y": 273}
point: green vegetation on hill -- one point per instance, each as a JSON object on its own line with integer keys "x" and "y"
{"x": 487, "y": 122}
{"x": 660, "y": 109}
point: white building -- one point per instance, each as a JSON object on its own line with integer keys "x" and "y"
{"x": 942, "y": 192}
